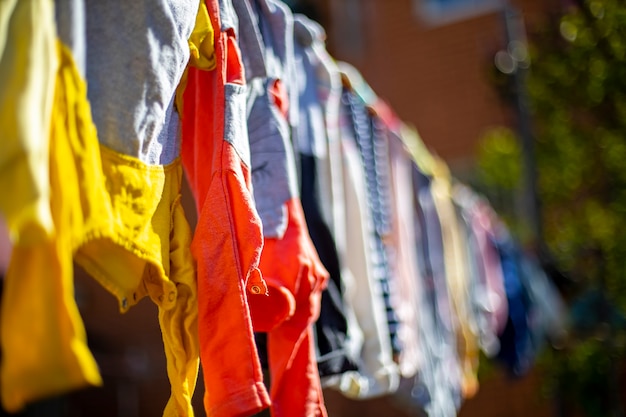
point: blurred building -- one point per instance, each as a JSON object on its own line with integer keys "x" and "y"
{"x": 432, "y": 60}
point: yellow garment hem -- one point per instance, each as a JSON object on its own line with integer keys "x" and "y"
{"x": 123, "y": 256}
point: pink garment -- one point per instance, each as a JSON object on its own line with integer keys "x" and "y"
{"x": 483, "y": 226}
{"x": 5, "y": 247}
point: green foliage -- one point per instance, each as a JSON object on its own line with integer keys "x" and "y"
{"x": 577, "y": 88}
{"x": 577, "y": 91}
{"x": 499, "y": 159}
{"x": 580, "y": 376}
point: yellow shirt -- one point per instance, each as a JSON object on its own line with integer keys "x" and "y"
{"x": 42, "y": 335}
{"x": 28, "y": 66}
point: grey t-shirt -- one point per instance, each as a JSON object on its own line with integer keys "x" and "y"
{"x": 136, "y": 53}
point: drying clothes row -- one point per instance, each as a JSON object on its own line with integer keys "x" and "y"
{"x": 103, "y": 104}
{"x": 91, "y": 162}
{"x": 449, "y": 279}
{"x": 329, "y": 240}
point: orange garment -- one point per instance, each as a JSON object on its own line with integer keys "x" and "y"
{"x": 228, "y": 239}
{"x": 295, "y": 277}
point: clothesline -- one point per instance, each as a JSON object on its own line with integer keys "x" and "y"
{"x": 332, "y": 248}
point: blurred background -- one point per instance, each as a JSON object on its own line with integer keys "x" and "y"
{"x": 526, "y": 102}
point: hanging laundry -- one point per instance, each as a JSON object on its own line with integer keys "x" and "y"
{"x": 515, "y": 343}
{"x": 488, "y": 297}
{"x": 228, "y": 239}
{"x": 117, "y": 209}
{"x": 403, "y": 241}
{"x": 331, "y": 247}
{"x": 266, "y": 42}
{"x": 368, "y": 330}
{"x": 373, "y": 154}
{"x": 28, "y": 70}
{"x": 438, "y": 385}
{"x": 536, "y": 313}
{"x": 290, "y": 265}
{"x": 132, "y": 72}
{"x": 44, "y": 347}
{"x": 312, "y": 142}
{"x": 455, "y": 260}
{"x": 548, "y": 316}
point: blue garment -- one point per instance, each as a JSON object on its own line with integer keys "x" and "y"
{"x": 373, "y": 153}
{"x": 266, "y": 43}
{"x": 548, "y": 315}
{"x": 310, "y": 136}
{"x": 516, "y": 349}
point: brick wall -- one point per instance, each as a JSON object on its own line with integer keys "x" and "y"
{"x": 435, "y": 76}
